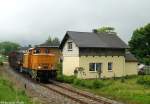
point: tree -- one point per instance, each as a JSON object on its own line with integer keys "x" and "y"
{"x": 53, "y": 41}
{"x": 105, "y": 29}
{"x": 49, "y": 40}
{"x": 7, "y": 47}
{"x": 56, "y": 41}
{"x": 140, "y": 44}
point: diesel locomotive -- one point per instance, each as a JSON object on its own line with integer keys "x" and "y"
{"x": 38, "y": 62}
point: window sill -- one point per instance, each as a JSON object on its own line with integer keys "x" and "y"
{"x": 93, "y": 71}
{"x": 110, "y": 70}
{"x": 69, "y": 49}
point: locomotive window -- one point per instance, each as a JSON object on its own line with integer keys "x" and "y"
{"x": 46, "y": 51}
{"x": 37, "y": 51}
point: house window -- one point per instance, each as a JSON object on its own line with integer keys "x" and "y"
{"x": 95, "y": 67}
{"x": 110, "y": 66}
{"x": 70, "y": 46}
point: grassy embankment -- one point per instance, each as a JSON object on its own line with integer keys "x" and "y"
{"x": 130, "y": 90}
{"x": 9, "y": 93}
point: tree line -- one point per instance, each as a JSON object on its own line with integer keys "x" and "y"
{"x": 7, "y": 47}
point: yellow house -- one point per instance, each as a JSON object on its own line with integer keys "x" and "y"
{"x": 93, "y": 55}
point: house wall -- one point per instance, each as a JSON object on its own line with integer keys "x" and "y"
{"x": 70, "y": 58}
{"x": 69, "y": 65}
{"x": 118, "y": 68}
{"x": 131, "y": 68}
{"x": 73, "y": 59}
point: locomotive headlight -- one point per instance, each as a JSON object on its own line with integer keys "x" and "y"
{"x": 18, "y": 62}
{"x": 39, "y": 67}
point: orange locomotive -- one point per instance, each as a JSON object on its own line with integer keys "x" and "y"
{"x": 40, "y": 62}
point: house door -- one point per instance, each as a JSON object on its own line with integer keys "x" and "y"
{"x": 99, "y": 69}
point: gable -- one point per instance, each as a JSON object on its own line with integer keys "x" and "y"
{"x": 70, "y": 52}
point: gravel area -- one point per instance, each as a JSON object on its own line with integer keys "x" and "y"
{"x": 37, "y": 93}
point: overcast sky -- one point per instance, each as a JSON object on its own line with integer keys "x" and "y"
{"x": 32, "y": 21}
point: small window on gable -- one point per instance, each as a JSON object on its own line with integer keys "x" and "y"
{"x": 109, "y": 66}
{"x": 70, "y": 46}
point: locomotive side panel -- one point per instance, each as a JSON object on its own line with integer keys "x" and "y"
{"x": 43, "y": 62}
{"x": 25, "y": 60}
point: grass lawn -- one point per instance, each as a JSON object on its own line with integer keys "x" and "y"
{"x": 129, "y": 91}
{"x": 10, "y": 94}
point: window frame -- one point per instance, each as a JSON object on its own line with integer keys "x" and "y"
{"x": 47, "y": 51}
{"x": 95, "y": 67}
{"x": 70, "y": 43}
{"x": 110, "y": 68}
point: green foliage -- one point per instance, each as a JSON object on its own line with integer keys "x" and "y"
{"x": 129, "y": 92}
{"x": 98, "y": 84}
{"x": 81, "y": 82}
{"x": 144, "y": 80}
{"x": 60, "y": 78}
{"x": 69, "y": 79}
{"x": 140, "y": 44}
{"x": 2, "y": 59}
{"x": 53, "y": 41}
{"x": 77, "y": 82}
{"x": 65, "y": 79}
{"x": 123, "y": 79}
{"x": 1, "y": 63}
{"x": 7, "y": 47}
{"x": 59, "y": 68}
{"x": 9, "y": 93}
{"x": 105, "y": 29}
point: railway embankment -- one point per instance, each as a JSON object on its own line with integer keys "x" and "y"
{"x": 36, "y": 92}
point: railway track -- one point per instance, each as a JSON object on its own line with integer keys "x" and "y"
{"x": 76, "y": 95}
{"x": 94, "y": 98}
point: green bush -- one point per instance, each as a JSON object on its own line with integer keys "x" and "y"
{"x": 96, "y": 84}
{"x": 89, "y": 83}
{"x": 59, "y": 68}
{"x": 66, "y": 79}
{"x": 80, "y": 82}
{"x": 1, "y": 63}
{"x": 144, "y": 80}
{"x": 83, "y": 83}
{"x": 77, "y": 82}
{"x": 69, "y": 79}
{"x": 60, "y": 78}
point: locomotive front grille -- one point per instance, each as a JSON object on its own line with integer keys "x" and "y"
{"x": 45, "y": 67}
